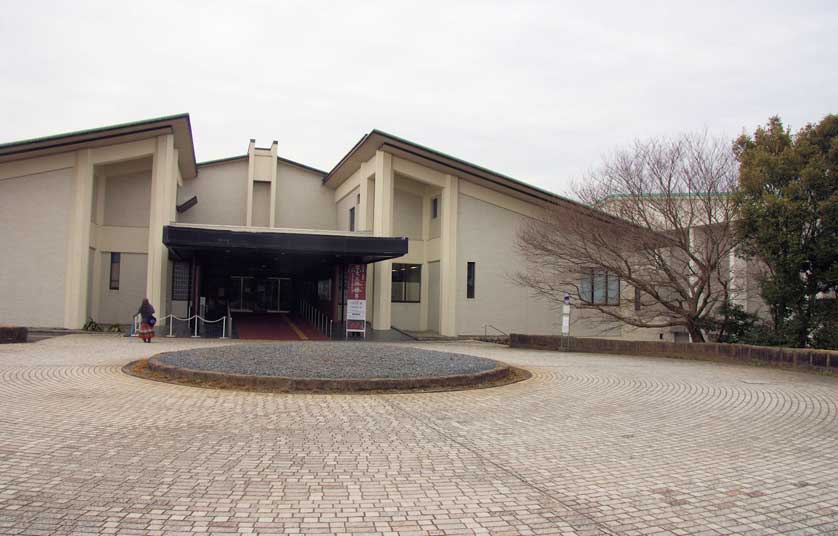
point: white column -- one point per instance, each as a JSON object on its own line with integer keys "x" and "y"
{"x": 251, "y": 149}
{"x": 382, "y": 226}
{"x": 272, "y": 215}
{"x": 163, "y": 201}
{"x": 78, "y": 243}
{"x": 96, "y": 291}
{"x": 425, "y": 282}
{"x": 448, "y": 257}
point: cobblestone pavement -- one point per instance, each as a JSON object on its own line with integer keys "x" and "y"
{"x": 591, "y": 445}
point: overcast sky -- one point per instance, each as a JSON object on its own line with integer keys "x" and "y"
{"x": 536, "y": 90}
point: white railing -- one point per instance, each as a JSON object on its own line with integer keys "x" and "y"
{"x": 316, "y": 318}
{"x": 169, "y": 319}
{"x": 486, "y": 330}
{"x": 197, "y": 318}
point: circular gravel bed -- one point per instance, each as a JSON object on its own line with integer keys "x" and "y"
{"x": 328, "y": 366}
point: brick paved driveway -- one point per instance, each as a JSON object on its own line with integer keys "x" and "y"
{"x": 591, "y": 445}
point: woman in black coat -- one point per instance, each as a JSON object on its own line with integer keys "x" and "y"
{"x": 146, "y": 312}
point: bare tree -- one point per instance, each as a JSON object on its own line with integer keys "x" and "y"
{"x": 661, "y": 229}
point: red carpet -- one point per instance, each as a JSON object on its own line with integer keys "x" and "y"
{"x": 275, "y": 327}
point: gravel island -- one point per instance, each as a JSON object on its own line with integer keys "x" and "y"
{"x": 328, "y": 366}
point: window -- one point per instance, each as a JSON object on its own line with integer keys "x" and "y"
{"x": 115, "y": 262}
{"x": 434, "y": 208}
{"x": 352, "y": 219}
{"x": 599, "y": 287}
{"x": 180, "y": 281}
{"x": 636, "y": 299}
{"x": 407, "y": 283}
{"x": 470, "y": 280}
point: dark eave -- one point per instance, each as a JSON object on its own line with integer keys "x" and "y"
{"x": 222, "y": 160}
{"x": 179, "y": 125}
{"x": 185, "y": 242}
{"x": 303, "y": 166}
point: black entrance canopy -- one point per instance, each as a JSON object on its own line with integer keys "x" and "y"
{"x": 185, "y": 242}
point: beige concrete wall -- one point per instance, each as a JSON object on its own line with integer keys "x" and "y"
{"x": 119, "y": 306}
{"x": 405, "y": 316}
{"x": 487, "y": 237}
{"x": 221, "y": 189}
{"x": 127, "y": 200}
{"x": 262, "y": 165}
{"x": 590, "y": 323}
{"x": 487, "y": 233}
{"x": 261, "y": 204}
{"x": 302, "y": 202}
{"x": 34, "y": 214}
{"x": 342, "y": 210}
{"x": 407, "y": 214}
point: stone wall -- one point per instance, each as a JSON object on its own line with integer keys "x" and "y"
{"x": 705, "y": 351}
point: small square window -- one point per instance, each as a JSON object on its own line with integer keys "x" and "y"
{"x": 116, "y": 260}
{"x": 470, "y": 268}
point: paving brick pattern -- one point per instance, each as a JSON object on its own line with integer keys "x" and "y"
{"x": 591, "y": 445}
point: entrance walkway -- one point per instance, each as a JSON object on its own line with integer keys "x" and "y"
{"x": 592, "y": 445}
{"x": 275, "y": 327}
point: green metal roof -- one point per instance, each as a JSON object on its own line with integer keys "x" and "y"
{"x": 455, "y": 160}
{"x": 96, "y": 130}
{"x": 55, "y": 142}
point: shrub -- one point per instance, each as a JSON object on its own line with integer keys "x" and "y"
{"x": 91, "y": 325}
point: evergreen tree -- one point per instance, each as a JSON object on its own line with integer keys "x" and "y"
{"x": 789, "y": 219}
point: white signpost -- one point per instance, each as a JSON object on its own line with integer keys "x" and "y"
{"x": 566, "y": 316}
{"x": 565, "y": 345}
{"x": 356, "y": 301}
{"x": 356, "y": 310}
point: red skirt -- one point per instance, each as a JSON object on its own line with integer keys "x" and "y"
{"x": 146, "y": 331}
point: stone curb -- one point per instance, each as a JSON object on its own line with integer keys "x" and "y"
{"x": 280, "y": 383}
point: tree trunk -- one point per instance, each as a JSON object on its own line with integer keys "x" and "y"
{"x": 695, "y": 332}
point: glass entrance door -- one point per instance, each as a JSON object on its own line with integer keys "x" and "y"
{"x": 242, "y": 293}
{"x": 271, "y": 294}
{"x": 286, "y": 297}
{"x": 278, "y": 294}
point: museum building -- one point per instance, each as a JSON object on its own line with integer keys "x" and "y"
{"x": 91, "y": 222}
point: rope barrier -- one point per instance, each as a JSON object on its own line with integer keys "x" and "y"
{"x": 171, "y": 317}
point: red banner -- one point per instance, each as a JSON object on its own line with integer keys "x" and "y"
{"x": 356, "y": 282}
{"x": 356, "y": 297}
